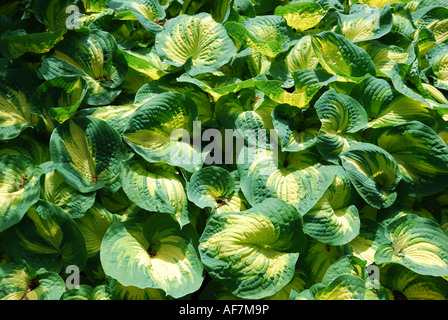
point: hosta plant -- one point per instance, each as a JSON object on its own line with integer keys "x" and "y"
{"x": 227, "y": 149}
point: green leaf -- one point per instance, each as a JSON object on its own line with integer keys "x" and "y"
{"x": 55, "y": 190}
{"x": 20, "y": 188}
{"x": 197, "y": 42}
{"x": 435, "y": 18}
{"x": 366, "y": 23}
{"x": 146, "y": 63}
{"x": 264, "y": 175}
{"x": 407, "y": 76}
{"x": 344, "y": 287}
{"x": 341, "y": 116}
{"x": 438, "y": 59}
{"x": 385, "y": 106}
{"x": 421, "y": 155}
{"x": 334, "y": 219}
{"x": 220, "y": 9}
{"x": 93, "y": 226}
{"x": 155, "y": 188}
{"x": 86, "y": 292}
{"x": 26, "y": 145}
{"x": 302, "y": 55}
{"x": 217, "y": 86}
{"x": 404, "y": 284}
{"x": 301, "y": 16}
{"x": 52, "y": 13}
{"x": 161, "y": 130}
{"x": 298, "y": 283}
{"x": 147, "y": 12}
{"x": 134, "y": 293}
{"x": 115, "y": 115}
{"x": 371, "y": 236}
{"x": 156, "y": 254}
{"x": 20, "y": 282}
{"x": 345, "y": 265}
{"x": 416, "y": 243}
{"x": 87, "y": 153}
{"x": 297, "y": 129}
{"x": 374, "y": 173}
{"x": 211, "y": 187}
{"x": 16, "y": 88}
{"x": 94, "y": 5}
{"x": 93, "y": 55}
{"x": 59, "y": 97}
{"x": 268, "y": 34}
{"x": 16, "y": 43}
{"x": 318, "y": 257}
{"x": 339, "y": 56}
{"x": 47, "y": 238}
{"x": 379, "y": 3}
{"x": 257, "y": 121}
{"x": 253, "y": 252}
{"x": 384, "y": 56}
{"x": 306, "y": 84}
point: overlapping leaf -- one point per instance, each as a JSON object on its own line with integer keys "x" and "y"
{"x": 20, "y": 282}
{"x": 420, "y": 155}
{"x": 198, "y": 43}
{"x": 161, "y": 130}
{"x": 268, "y": 35}
{"x": 265, "y": 175}
{"x": 47, "y": 238}
{"x": 15, "y": 96}
{"x": 253, "y": 252}
{"x": 374, "y": 172}
{"x": 341, "y": 117}
{"x": 155, "y": 254}
{"x": 416, "y": 243}
{"x": 94, "y": 55}
{"x": 87, "y": 152}
{"x": 20, "y": 188}
{"x": 155, "y": 188}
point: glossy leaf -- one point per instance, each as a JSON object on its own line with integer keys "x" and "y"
{"x": 416, "y": 243}
{"x": 47, "y": 238}
{"x": 59, "y": 97}
{"x": 55, "y": 190}
{"x": 263, "y": 176}
{"x": 20, "y": 282}
{"x": 96, "y": 59}
{"x": 268, "y": 35}
{"x": 197, "y": 42}
{"x": 156, "y": 254}
{"x": 87, "y": 153}
{"x": 155, "y": 188}
{"x": 301, "y": 16}
{"x": 334, "y": 219}
{"x": 373, "y": 172}
{"x": 297, "y": 129}
{"x": 15, "y": 96}
{"x": 340, "y": 116}
{"x": 211, "y": 187}
{"x": 20, "y": 188}
{"x": 253, "y": 252}
{"x": 161, "y": 130}
{"x": 339, "y": 56}
{"x": 420, "y": 154}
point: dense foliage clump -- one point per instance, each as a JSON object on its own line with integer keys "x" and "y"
{"x": 223, "y": 149}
